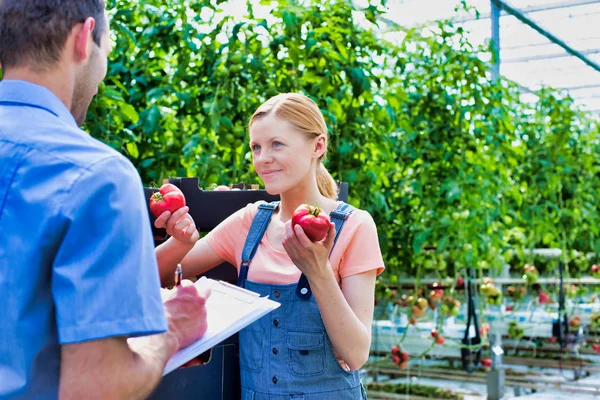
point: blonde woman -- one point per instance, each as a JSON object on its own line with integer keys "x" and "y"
{"x": 315, "y": 343}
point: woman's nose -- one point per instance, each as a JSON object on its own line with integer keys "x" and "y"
{"x": 264, "y": 157}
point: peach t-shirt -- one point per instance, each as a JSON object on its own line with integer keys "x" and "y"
{"x": 356, "y": 251}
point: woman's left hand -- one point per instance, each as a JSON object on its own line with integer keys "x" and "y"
{"x": 310, "y": 257}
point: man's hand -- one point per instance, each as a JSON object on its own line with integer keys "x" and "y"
{"x": 186, "y": 313}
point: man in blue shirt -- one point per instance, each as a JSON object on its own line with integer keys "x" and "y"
{"x": 78, "y": 272}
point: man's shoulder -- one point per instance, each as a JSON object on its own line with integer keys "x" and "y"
{"x": 62, "y": 142}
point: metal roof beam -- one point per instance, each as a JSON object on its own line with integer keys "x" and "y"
{"x": 527, "y": 21}
{"x": 547, "y": 56}
{"x": 532, "y": 9}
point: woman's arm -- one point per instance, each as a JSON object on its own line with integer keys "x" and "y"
{"x": 347, "y": 314}
{"x": 196, "y": 256}
{"x": 197, "y": 260}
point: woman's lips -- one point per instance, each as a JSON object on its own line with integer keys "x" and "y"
{"x": 270, "y": 173}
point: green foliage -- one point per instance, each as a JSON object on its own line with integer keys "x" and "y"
{"x": 445, "y": 159}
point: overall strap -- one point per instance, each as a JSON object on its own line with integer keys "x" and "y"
{"x": 338, "y": 217}
{"x": 255, "y": 234}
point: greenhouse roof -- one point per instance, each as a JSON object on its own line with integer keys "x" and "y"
{"x": 527, "y": 56}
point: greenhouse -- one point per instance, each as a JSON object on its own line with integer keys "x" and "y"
{"x": 300, "y": 199}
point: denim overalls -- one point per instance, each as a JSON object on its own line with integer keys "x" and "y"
{"x": 287, "y": 354}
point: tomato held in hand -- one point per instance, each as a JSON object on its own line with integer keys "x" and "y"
{"x": 313, "y": 221}
{"x": 168, "y": 198}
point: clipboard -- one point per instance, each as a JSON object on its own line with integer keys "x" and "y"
{"x": 229, "y": 310}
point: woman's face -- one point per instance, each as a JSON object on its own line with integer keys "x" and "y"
{"x": 282, "y": 156}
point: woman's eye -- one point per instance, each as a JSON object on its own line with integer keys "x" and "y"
{"x": 255, "y": 147}
{"x": 277, "y": 144}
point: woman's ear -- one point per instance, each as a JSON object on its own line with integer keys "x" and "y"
{"x": 320, "y": 146}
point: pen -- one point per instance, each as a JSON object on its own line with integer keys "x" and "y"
{"x": 178, "y": 275}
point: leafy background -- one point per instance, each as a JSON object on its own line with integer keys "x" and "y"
{"x": 455, "y": 168}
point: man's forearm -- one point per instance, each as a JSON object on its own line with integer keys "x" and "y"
{"x": 115, "y": 368}
{"x": 150, "y": 354}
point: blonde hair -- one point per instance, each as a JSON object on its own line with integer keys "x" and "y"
{"x": 304, "y": 114}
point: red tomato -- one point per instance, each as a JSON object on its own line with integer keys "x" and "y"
{"x": 486, "y": 362}
{"x": 439, "y": 339}
{"x": 313, "y": 221}
{"x": 543, "y": 298}
{"x": 168, "y": 198}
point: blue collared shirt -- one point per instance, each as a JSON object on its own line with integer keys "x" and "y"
{"x": 77, "y": 260}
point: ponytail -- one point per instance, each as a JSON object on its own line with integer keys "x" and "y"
{"x": 327, "y": 185}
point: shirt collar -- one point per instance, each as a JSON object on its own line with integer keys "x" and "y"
{"x": 32, "y": 95}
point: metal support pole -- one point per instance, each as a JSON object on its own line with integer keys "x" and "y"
{"x": 495, "y": 378}
{"x": 495, "y": 40}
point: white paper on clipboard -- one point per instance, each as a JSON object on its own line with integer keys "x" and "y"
{"x": 229, "y": 309}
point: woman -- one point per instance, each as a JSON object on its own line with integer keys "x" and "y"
{"x": 314, "y": 344}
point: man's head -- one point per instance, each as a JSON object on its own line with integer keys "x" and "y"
{"x": 42, "y": 36}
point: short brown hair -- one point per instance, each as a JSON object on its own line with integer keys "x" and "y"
{"x": 35, "y": 31}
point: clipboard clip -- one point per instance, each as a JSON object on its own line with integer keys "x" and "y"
{"x": 239, "y": 293}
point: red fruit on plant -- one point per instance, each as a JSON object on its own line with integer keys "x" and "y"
{"x": 222, "y": 188}
{"x": 434, "y": 332}
{"x": 413, "y": 321}
{"x": 404, "y": 356}
{"x": 595, "y": 268}
{"x": 418, "y": 311}
{"x": 168, "y": 198}
{"x": 552, "y": 340}
{"x": 396, "y": 360}
{"x": 439, "y": 340}
{"x": 460, "y": 283}
{"x": 313, "y": 222}
{"x": 543, "y": 298}
{"x": 436, "y": 295}
{"x": 486, "y": 362}
{"x": 403, "y": 365}
{"x": 484, "y": 329}
{"x": 509, "y": 308}
{"x": 395, "y": 351}
{"x": 575, "y": 322}
{"x": 596, "y": 348}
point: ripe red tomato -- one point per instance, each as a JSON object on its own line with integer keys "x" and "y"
{"x": 439, "y": 340}
{"x": 168, "y": 198}
{"x": 312, "y": 220}
{"x": 486, "y": 362}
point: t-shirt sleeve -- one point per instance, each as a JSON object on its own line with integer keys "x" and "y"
{"x": 225, "y": 239}
{"x": 362, "y": 253}
{"x": 105, "y": 278}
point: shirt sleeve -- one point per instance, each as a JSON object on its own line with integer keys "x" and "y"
{"x": 362, "y": 252}
{"x": 105, "y": 278}
{"x": 225, "y": 239}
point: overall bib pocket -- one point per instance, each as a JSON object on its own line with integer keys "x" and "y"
{"x": 307, "y": 352}
{"x": 251, "y": 352}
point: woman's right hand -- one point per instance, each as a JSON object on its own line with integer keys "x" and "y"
{"x": 180, "y": 225}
